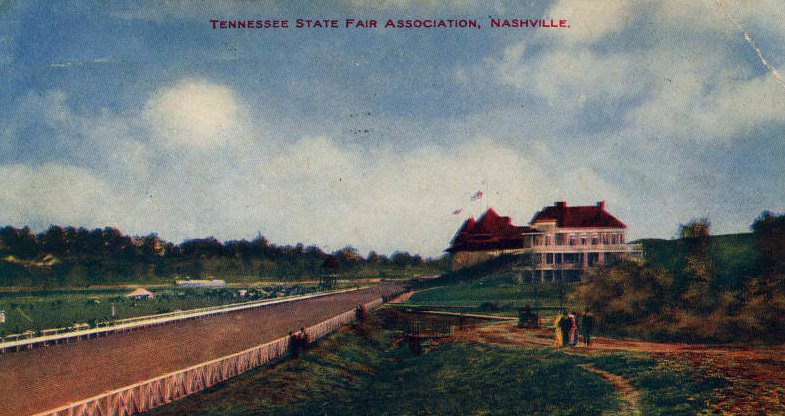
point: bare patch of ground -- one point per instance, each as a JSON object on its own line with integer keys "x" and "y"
{"x": 630, "y": 397}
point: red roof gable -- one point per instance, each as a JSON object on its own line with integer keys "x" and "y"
{"x": 594, "y": 216}
{"x": 491, "y": 231}
{"x": 492, "y": 223}
{"x": 464, "y": 231}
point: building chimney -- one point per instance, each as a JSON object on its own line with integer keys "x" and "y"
{"x": 601, "y": 205}
{"x": 560, "y": 204}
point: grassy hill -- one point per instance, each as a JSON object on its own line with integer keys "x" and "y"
{"x": 366, "y": 369}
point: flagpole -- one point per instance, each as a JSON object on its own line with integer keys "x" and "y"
{"x": 488, "y": 191}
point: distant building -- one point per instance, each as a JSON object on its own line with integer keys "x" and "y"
{"x": 201, "y": 283}
{"x": 559, "y": 244}
{"x": 141, "y": 293}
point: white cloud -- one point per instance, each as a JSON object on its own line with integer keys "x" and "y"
{"x": 54, "y": 194}
{"x": 195, "y": 113}
{"x": 710, "y": 109}
{"x": 568, "y": 77}
{"x": 667, "y": 89}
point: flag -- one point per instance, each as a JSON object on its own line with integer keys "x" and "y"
{"x": 477, "y": 196}
{"x": 457, "y": 211}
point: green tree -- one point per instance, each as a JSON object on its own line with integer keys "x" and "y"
{"x": 769, "y": 230}
{"x": 700, "y": 267}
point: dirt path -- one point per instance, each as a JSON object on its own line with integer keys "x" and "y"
{"x": 755, "y": 374}
{"x": 403, "y": 297}
{"x": 630, "y": 397}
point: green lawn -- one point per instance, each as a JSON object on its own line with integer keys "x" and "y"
{"x": 44, "y": 309}
{"x": 499, "y": 291}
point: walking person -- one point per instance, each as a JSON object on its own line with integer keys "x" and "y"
{"x": 573, "y": 334}
{"x": 302, "y": 340}
{"x": 565, "y": 324}
{"x": 294, "y": 345}
{"x": 587, "y": 325}
{"x": 557, "y": 327}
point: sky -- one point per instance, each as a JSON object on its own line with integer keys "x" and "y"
{"x": 139, "y": 115}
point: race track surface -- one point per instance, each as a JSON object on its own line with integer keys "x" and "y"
{"x": 45, "y": 378}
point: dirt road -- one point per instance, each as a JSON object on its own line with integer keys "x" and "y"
{"x": 41, "y": 379}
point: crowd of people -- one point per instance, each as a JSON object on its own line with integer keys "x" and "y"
{"x": 569, "y": 325}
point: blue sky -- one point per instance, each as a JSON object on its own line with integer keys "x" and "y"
{"x": 138, "y": 115}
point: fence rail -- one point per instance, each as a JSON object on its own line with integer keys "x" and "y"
{"x": 134, "y": 324}
{"x": 143, "y": 396}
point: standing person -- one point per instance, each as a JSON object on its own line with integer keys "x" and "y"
{"x": 565, "y": 324}
{"x": 302, "y": 340}
{"x": 578, "y": 328}
{"x": 557, "y": 327}
{"x": 294, "y": 344}
{"x": 573, "y": 329}
{"x": 587, "y": 325}
{"x": 525, "y": 317}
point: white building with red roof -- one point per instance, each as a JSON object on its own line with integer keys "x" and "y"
{"x": 559, "y": 244}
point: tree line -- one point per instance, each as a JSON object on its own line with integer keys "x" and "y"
{"x": 699, "y": 287}
{"x": 79, "y": 256}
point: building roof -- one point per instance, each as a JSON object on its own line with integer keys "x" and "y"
{"x": 490, "y": 232}
{"x": 593, "y": 216}
{"x": 495, "y": 232}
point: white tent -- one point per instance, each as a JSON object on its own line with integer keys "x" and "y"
{"x": 140, "y": 293}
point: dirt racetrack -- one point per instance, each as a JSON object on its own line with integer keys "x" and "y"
{"x": 45, "y": 378}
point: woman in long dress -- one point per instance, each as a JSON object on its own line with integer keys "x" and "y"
{"x": 573, "y": 338}
{"x": 559, "y": 339}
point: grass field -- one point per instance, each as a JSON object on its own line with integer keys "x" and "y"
{"x": 361, "y": 370}
{"x": 44, "y": 309}
{"x": 495, "y": 292}
{"x": 358, "y": 372}
{"x": 665, "y": 390}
